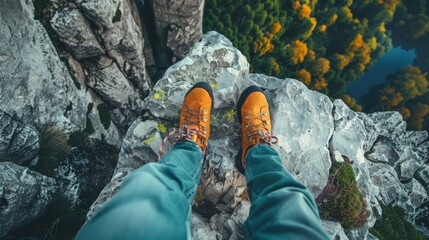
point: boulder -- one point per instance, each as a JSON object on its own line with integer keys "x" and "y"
{"x": 335, "y": 230}
{"x": 36, "y": 86}
{"x": 178, "y": 27}
{"x": 85, "y": 171}
{"x": 18, "y": 143}
{"x": 24, "y": 195}
{"x": 119, "y": 29}
{"x": 75, "y": 31}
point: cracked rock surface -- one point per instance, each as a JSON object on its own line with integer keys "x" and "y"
{"x": 24, "y": 195}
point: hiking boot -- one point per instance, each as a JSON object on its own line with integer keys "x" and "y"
{"x": 195, "y": 115}
{"x": 254, "y": 116}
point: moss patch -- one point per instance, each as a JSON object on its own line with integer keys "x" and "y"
{"x": 341, "y": 199}
{"x": 214, "y": 85}
{"x": 393, "y": 226}
{"x": 229, "y": 114}
{"x": 104, "y": 115}
{"x": 162, "y": 128}
{"x": 158, "y": 95}
{"x": 150, "y": 140}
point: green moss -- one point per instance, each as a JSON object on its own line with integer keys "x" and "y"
{"x": 53, "y": 149}
{"x": 77, "y": 138}
{"x": 118, "y": 15}
{"x": 214, "y": 85}
{"x": 229, "y": 114}
{"x": 150, "y": 140}
{"x": 341, "y": 199}
{"x": 162, "y": 128}
{"x": 393, "y": 226}
{"x": 104, "y": 115}
{"x": 158, "y": 95}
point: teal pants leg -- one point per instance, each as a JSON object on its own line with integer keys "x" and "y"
{"x": 153, "y": 202}
{"x": 282, "y": 208}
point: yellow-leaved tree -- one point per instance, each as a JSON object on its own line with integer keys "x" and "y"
{"x": 298, "y": 51}
{"x": 263, "y": 45}
{"x": 304, "y": 76}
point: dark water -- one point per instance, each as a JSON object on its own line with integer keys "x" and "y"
{"x": 392, "y": 61}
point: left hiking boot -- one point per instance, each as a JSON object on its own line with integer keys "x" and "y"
{"x": 195, "y": 114}
{"x": 254, "y": 117}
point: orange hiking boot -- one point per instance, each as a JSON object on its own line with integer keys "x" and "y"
{"x": 254, "y": 116}
{"x": 195, "y": 115}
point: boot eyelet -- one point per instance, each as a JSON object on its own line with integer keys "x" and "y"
{"x": 204, "y": 119}
{"x": 247, "y": 125}
{"x": 205, "y": 111}
{"x": 247, "y": 116}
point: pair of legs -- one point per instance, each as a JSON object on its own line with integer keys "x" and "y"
{"x": 155, "y": 201}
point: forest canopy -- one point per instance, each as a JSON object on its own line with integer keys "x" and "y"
{"x": 328, "y": 44}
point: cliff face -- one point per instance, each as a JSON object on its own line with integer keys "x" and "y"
{"x": 99, "y": 56}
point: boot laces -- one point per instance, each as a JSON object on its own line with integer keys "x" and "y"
{"x": 259, "y": 131}
{"x": 184, "y": 132}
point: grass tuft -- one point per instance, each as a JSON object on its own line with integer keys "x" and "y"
{"x": 341, "y": 199}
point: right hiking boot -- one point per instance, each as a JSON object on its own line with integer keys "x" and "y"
{"x": 254, "y": 116}
{"x": 195, "y": 114}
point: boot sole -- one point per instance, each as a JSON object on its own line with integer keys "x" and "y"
{"x": 241, "y": 99}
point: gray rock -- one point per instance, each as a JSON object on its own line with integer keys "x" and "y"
{"x": 85, "y": 171}
{"x": 39, "y": 89}
{"x": 388, "y": 123}
{"x": 359, "y": 233}
{"x": 120, "y": 31}
{"x": 369, "y": 236}
{"x": 24, "y": 195}
{"x": 178, "y": 28}
{"x": 75, "y": 31}
{"x": 201, "y": 229}
{"x": 416, "y": 192}
{"x": 423, "y": 174}
{"x": 382, "y": 151}
{"x": 386, "y": 179}
{"x": 335, "y": 230}
{"x": 408, "y": 168}
{"x": 18, "y": 143}
{"x": 213, "y": 60}
{"x": 109, "y": 83}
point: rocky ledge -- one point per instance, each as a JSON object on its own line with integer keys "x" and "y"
{"x": 390, "y": 163}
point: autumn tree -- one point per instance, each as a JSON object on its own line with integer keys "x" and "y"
{"x": 304, "y": 76}
{"x": 298, "y": 51}
{"x": 351, "y": 102}
{"x": 320, "y": 67}
{"x": 410, "y": 81}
